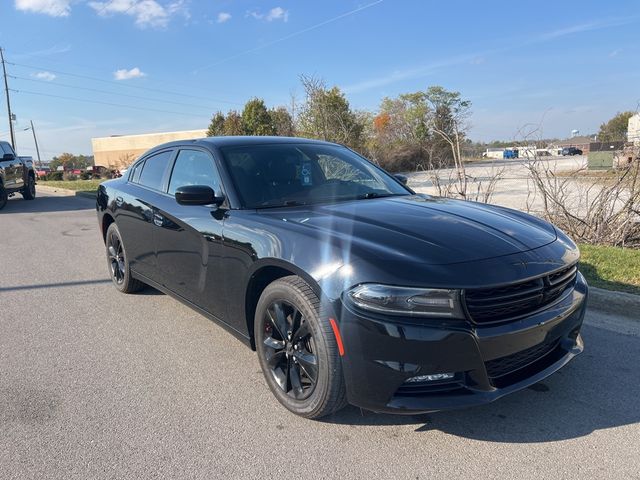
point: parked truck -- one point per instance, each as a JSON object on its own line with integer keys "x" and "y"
{"x": 17, "y": 175}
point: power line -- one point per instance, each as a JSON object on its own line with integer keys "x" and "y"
{"x": 291, "y": 35}
{"x": 119, "y": 84}
{"x": 6, "y": 91}
{"x": 75, "y": 87}
{"x": 28, "y": 92}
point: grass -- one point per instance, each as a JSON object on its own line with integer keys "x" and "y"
{"x": 605, "y": 177}
{"x": 611, "y": 268}
{"x": 85, "y": 186}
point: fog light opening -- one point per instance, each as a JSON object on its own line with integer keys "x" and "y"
{"x": 436, "y": 377}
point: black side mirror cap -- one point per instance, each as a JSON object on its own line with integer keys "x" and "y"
{"x": 403, "y": 179}
{"x": 197, "y": 195}
{"x": 7, "y": 157}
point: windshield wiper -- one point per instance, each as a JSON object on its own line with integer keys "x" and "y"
{"x": 286, "y": 203}
{"x": 377, "y": 195}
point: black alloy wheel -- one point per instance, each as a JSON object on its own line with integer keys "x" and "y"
{"x": 290, "y": 350}
{"x": 118, "y": 264}
{"x": 297, "y": 349}
{"x": 115, "y": 254}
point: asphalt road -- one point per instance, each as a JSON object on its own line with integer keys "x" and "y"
{"x": 96, "y": 384}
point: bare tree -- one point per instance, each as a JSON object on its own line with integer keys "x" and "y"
{"x": 600, "y": 209}
{"x": 450, "y": 122}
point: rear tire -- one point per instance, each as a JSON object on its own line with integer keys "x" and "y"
{"x": 118, "y": 262}
{"x": 29, "y": 190}
{"x": 297, "y": 349}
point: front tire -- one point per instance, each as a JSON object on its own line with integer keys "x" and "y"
{"x": 118, "y": 262}
{"x": 4, "y": 196}
{"x": 297, "y": 349}
{"x": 29, "y": 190}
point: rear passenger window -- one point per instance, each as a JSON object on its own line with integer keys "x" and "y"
{"x": 135, "y": 174}
{"x": 153, "y": 170}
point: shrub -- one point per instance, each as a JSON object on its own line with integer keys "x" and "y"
{"x": 399, "y": 158}
{"x": 54, "y": 176}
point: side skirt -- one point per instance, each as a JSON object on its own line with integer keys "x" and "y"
{"x": 239, "y": 335}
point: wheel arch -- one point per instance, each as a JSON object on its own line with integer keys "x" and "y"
{"x": 107, "y": 220}
{"x": 265, "y": 272}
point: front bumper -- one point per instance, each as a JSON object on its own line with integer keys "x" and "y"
{"x": 489, "y": 361}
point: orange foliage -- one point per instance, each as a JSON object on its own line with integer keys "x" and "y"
{"x": 381, "y": 121}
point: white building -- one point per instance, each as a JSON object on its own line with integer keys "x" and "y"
{"x": 633, "y": 130}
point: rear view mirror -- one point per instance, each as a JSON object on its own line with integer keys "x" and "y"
{"x": 197, "y": 195}
{"x": 402, "y": 178}
{"x": 7, "y": 157}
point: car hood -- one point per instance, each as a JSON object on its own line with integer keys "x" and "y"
{"x": 417, "y": 228}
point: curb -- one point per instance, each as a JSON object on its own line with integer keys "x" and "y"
{"x": 65, "y": 191}
{"x": 61, "y": 191}
{"x": 617, "y": 303}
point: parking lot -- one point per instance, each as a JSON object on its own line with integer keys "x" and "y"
{"x": 96, "y": 384}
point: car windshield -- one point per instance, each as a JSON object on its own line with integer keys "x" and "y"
{"x": 292, "y": 174}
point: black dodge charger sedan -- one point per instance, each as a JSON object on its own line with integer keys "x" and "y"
{"x": 351, "y": 287}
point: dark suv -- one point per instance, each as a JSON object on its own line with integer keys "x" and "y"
{"x": 570, "y": 151}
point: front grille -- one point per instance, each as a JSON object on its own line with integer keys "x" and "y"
{"x": 488, "y": 305}
{"x": 505, "y": 365}
{"x": 418, "y": 389}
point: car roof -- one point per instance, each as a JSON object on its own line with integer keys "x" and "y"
{"x": 241, "y": 141}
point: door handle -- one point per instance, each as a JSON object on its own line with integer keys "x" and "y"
{"x": 158, "y": 219}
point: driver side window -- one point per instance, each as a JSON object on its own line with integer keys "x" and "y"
{"x": 194, "y": 167}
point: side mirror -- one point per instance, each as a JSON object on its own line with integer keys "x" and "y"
{"x": 197, "y": 195}
{"x": 403, "y": 179}
{"x": 8, "y": 157}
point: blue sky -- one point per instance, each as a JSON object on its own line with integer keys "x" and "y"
{"x": 96, "y": 68}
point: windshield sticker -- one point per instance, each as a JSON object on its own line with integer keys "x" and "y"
{"x": 305, "y": 174}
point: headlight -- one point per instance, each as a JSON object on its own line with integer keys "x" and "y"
{"x": 423, "y": 302}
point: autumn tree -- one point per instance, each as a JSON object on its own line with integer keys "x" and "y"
{"x": 407, "y": 118}
{"x": 615, "y": 130}
{"x": 256, "y": 119}
{"x": 216, "y": 127}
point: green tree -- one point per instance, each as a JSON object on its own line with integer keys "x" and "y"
{"x": 282, "y": 122}
{"x": 615, "y": 130}
{"x": 405, "y": 119}
{"x": 256, "y": 119}
{"x": 216, "y": 127}
{"x": 326, "y": 114}
{"x": 233, "y": 124}
{"x": 70, "y": 161}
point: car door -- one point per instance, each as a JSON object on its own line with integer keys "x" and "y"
{"x": 189, "y": 237}
{"x": 134, "y": 207}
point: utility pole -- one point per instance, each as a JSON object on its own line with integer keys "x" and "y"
{"x": 6, "y": 91}
{"x": 35, "y": 140}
